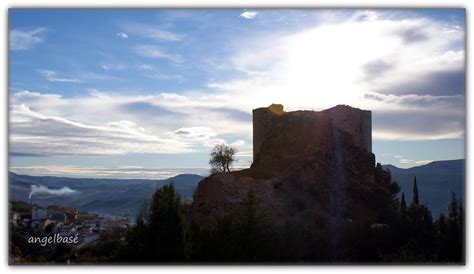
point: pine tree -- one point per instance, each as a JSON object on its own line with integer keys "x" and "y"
{"x": 415, "y": 193}
{"x": 453, "y": 209}
{"x": 455, "y": 230}
{"x": 443, "y": 238}
{"x": 167, "y": 226}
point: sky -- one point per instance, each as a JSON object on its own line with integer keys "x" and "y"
{"x": 147, "y": 93}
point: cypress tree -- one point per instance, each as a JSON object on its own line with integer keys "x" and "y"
{"x": 415, "y": 192}
{"x": 403, "y": 204}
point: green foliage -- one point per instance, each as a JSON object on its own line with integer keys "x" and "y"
{"x": 420, "y": 239}
{"x": 61, "y": 253}
{"x": 161, "y": 235}
{"x": 222, "y": 157}
{"x": 451, "y": 232}
{"x": 244, "y": 235}
{"x": 167, "y": 225}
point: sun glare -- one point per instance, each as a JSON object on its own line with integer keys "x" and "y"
{"x": 325, "y": 66}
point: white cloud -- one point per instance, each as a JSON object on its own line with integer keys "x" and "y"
{"x": 113, "y": 66}
{"x": 158, "y": 53}
{"x": 122, "y": 35}
{"x": 412, "y": 116}
{"x": 45, "y": 191}
{"x": 168, "y": 77}
{"x": 96, "y": 76}
{"x": 145, "y": 67}
{"x": 198, "y": 136}
{"x": 404, "y": 70}
{"x": 49, "y": 124}
{"x": 248, "y": 14}
{"x": 26, "y": 39}
{"x": 35, "y": 133}
{"x": 410, "y": 101}
{"x": 52, "y": 76}
{"x": 238, "y": 143}
{"x": 247, "y": 153}
{"x": 355, "y": 61}
{"x": 152, "y": 32}
{"x": 414, "y": 162}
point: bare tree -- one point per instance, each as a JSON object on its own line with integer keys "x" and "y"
{"x": 222, "y": 157}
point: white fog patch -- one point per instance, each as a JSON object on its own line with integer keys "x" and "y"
{"x": 41, "y": 190}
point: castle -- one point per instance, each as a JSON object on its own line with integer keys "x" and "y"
{"x": 306, "y": 163}
{"x": 303, "y": 133}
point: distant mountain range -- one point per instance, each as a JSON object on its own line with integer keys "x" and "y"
{"x": 109, "y": 196}
{"x": 435, "y": 182}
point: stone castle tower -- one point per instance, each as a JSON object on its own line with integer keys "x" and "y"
{"x": 321, "y": 159}
{"x": 306, "y": 132}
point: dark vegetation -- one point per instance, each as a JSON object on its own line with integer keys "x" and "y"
{"x": 167, "y": 232}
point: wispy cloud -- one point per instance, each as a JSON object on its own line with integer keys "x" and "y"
{"x": 249, "y": 14}
{"x": 368, "y": 60}
{"x": 122, "y": 35}
{"x": 26, "y": 39}
{"x": 168, "y": 77}
{"x": 113, "y": 66}
{"x": 414, "y": 162}
{"x": 200, "y": 136}
{"x": 49, "y": 124}
{"x": 97, "y": 76}
{"x": 144, "y": 67}
{"x": 52, "y": 76}
{"x": 52, "y": 135}
{"x": 153, "y": 32}
{"x": 158, "y": 53}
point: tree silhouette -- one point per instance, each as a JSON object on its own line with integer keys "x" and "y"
{"x": 222, "y": 157}
{"x": 167, "y": 225}
{"x": 403, "y": 204}
{"x": 415, "y": 193}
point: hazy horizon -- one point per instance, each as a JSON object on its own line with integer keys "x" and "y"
{"x": 128, "y": 172}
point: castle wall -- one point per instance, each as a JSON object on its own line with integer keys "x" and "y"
{"x": 267, "y": 124}
{"x": 262, "y": 121}
{"x": 367, "y": 130}
{"x": 355, "y": 121}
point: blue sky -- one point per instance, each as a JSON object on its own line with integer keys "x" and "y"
{"x": 147, "y": 93}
